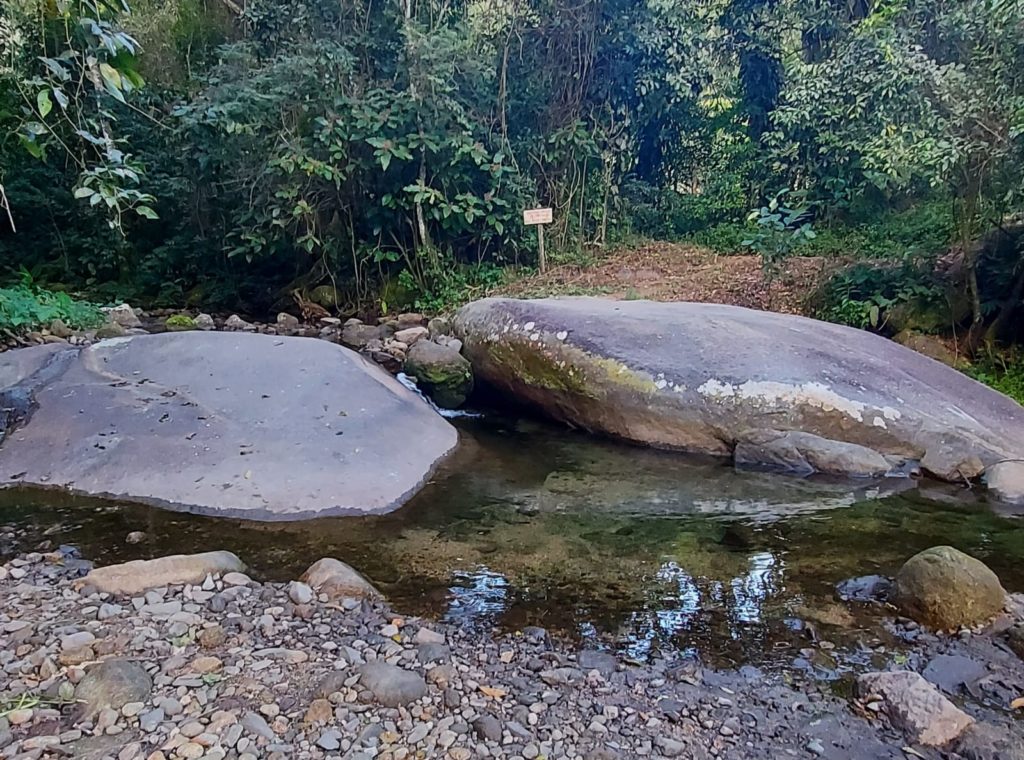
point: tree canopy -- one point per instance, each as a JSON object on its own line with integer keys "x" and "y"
{"x": 379, "y": 153}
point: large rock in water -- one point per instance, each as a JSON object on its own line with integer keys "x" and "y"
{"x": 709, "y": 378}
{"x": 223, "y": 423}
{"x": 944, "y": 588}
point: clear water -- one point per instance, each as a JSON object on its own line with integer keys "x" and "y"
{"x": 645, "y": 551}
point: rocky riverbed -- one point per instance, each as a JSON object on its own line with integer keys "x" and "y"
{"x": 220, "y": 665}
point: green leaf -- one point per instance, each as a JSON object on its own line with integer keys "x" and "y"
{"x": 385, "y": 160}
{"x": 147, "y": 212}
{"x": 112, "y": 81}
{"x": 43, "y": 103}
{"x": 83, "y": 192}
{"x": 34, "y": 149}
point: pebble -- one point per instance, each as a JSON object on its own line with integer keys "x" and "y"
{"x": 310, "y": 670}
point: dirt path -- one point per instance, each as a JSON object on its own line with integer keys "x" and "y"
{"x": 662, "y": 271}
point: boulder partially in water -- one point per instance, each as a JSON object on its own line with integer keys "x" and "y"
{"x": 705, "y": 377}
{"x": 224, "y": 423}
{"x": 442, "y": 372}
{"x": 945, "y": 589}
{"x": 1005, "y": 481}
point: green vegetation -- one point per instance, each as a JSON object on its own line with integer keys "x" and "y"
{"x": 26, "y": 307}
{"x": 1004, "y": 373}
{"x": 377, "y": 157}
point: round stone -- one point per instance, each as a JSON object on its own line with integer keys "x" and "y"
{"x": 945, "y": 589}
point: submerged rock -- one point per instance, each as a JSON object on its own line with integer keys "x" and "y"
{"x": 264, "y": 427}
{"x": 139, "y": 575}
{"x": 702, "y": 377}
{"x": 945, "y": 589}
{"x": 864, "y": 588}
{"x": 441, "y": 372}
{"x": 799, "y": 452}
{"x": 916, "y": 707}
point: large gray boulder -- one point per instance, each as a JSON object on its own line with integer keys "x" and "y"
{"x": 224, "y": 423}
{"x": 706, "y": 377}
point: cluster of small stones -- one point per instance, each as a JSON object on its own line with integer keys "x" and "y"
{"x": 387, "y": 342}
{"x": 234, "y": 668}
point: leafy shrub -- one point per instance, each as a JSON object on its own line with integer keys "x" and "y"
{"x": 862, "y": 294}
{"x": 25, "y": 307}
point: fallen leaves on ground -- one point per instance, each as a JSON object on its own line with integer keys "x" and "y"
{"x": 683, "y": 272}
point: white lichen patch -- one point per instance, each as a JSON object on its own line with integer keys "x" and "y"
{"x": 812, "y": 394}
{"x": 561, "y": 335}
{"x": 879, "y": 423}
{"x": 528, "y": 326}
{"x": 661, "y": 384}
{"x": 717, "y": 389}
{"x": 535, "y": 336}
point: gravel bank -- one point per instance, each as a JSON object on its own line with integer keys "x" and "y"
{"x": 232, "y": 668}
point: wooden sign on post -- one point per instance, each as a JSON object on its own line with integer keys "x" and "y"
{"x": 539, "y": 217}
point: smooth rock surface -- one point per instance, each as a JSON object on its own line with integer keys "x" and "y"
{"x": 140, "y": 575}
{"x": 945, "y": 589}
{"x": 334, "y": 578}
{"x": 225, "y": 423}
{"x": 699, "y": 377}
{"x": 391, "y": 685}
{"x": 1005, "y": 482}
{"x": 916, "y": 707}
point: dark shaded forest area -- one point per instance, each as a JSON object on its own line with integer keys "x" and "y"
{"x": 376, "y": 155}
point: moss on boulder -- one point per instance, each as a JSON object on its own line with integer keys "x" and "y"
{"x": 180, "y": 323}
{"x": 440, "y": 371}
{"x": 943, "y": 588}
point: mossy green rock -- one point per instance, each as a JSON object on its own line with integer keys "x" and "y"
{"x": 180, "y": 323}
{"x": 943, "y": 588}
{"x": 440, "y": 371}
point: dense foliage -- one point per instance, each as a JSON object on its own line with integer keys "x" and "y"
{"x": 376, "y": 155}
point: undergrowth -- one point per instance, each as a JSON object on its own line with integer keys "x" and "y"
{"x": 25, "y": 307}
{"x": 1004, "y": 373}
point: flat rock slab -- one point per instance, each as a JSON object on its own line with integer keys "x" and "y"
{"x": 707, "y": 377}
{"x": 254, "y": 426}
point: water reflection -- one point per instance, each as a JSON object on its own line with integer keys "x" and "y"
{"x": 528, "y": 525}
{"x": 478, "y": 598}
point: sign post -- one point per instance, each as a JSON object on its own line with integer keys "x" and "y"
{"x": 539, "y": 217}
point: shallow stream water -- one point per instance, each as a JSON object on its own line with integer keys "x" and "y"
{"x": 643, "y": 551}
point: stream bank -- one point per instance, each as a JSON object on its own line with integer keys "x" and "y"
{"x": 235, "y": 668}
